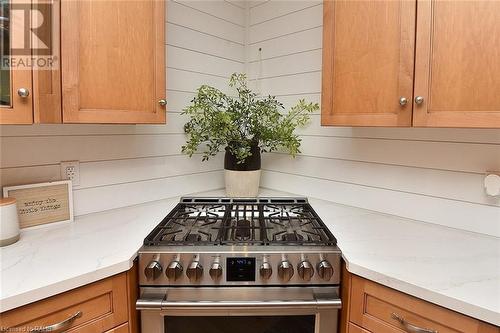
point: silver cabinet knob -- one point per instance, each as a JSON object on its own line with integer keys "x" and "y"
{"x": 265, "y": 270}
{"x": 403, "y": 101}
{"x": 174, "y": 270}
{"x": 153, "y": 270}
{"x": 23, "y": 92}
{"x": 215, "y": 271}
{"x": 325, "y": 270}
{"x": 162, "y": 102}
{"x": 306, "y": 271}
{"x": 195, "y": 271}
{"x": 285, "y": 271}
{"x": 419, "y": 100}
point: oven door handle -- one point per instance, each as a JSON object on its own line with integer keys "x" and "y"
{"x": 163, "y": 304}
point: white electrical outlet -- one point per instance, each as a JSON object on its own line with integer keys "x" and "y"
{"x": 70, "y": 170}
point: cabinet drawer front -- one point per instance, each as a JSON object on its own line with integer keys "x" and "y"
{"x": 375, "y": 308}
{"x": 356, "y": 329}
{"x": 120, "y": 329}
{"x": 100, "y": 306}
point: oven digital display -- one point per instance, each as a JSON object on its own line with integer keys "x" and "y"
{"x": 240, "y": 269}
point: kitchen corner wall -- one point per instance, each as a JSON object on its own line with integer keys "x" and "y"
{"x": 433, "y": 175}
{"x": 122, "y": 165}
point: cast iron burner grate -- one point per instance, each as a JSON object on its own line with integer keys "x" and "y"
{"x": 226, "y": 221}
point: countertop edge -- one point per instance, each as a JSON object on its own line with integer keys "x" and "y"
{"x": 19, "y": 300}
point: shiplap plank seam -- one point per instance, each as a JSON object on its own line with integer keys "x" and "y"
{"x": 210, "y": 14}
{"x": 283, "y": 75}
{"x": 282, "y": 15}
{"x": 197, "y": 72}
{"x": 378, "y": 187}
{"x": 284, "y": 35}
{"x": 206, "y": 33}
{"x": 207, "y": 54}
{"x": 284, "y": 55}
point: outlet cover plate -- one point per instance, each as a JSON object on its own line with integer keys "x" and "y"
{"x": 70, "y": 170}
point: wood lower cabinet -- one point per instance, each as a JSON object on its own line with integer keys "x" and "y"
{"x": 120, "y": 329}
{"x": 421, "y": 63}
{"x": 103, "y": 306}
{"x": 352, "y": 328}
{"x": 374, "y": 308}
{"x": 113, "y": 61}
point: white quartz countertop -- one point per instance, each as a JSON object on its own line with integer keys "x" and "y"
{"x": 455, "y": 269}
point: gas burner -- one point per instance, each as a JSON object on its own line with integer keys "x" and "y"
{"x": 242, "y": 231}
{"x": 226, "y": 221}
{"x": 292, "y": 237}
{"x": 193, "y": 238}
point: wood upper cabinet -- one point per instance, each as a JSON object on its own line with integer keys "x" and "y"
{"x": 14, "y": 108}
{"x": 113, "y": 61}
{"x": 457, "y": 69}
{"x": 450, "y": 76}
{"x": 42, "y": 104}
{"x": 368, "y": 52}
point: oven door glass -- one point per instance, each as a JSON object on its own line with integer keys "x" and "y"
{"x": 240, "y": 324}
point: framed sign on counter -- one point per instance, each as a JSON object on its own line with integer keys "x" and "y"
{"x": 42, "y": 203}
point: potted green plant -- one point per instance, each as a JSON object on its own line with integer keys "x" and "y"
{"x": 245, "y": 125}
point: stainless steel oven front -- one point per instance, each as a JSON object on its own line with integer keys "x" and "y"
{"x": 239, "y": 309}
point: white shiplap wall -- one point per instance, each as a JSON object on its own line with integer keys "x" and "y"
{"x": 434, "y": 175}
{"x": 122, "y": 165}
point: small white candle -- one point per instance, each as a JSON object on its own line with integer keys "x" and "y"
{"x": 9, "y": 221}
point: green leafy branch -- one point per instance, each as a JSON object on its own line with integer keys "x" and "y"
{"x": 217, "y": 120}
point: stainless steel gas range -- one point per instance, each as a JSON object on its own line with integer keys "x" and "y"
{"x": 263, "y": 265}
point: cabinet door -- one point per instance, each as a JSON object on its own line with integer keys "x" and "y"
{"x": 15, "y": 108}
{"x": 368, "y": 53}
{"x": 457, "y": 69}
{"x": 113, "y": 61}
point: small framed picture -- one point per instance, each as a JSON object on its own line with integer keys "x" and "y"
{"x": 42, "y": 203}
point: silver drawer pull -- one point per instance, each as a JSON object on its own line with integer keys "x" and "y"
{"x": 58, "y": 326}
{"x": 410, "y": 327}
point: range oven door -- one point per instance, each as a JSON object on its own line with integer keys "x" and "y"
{"x": 239, "y": 309}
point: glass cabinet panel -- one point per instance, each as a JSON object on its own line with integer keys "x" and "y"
{"x": 5, "y": 73}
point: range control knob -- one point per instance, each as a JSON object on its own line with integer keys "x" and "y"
{"x": 215, "y": 271}
{"x": 285, "y": 270}
{"x": 153, "y": 270}
{"x": 265, "y": 270}
{"x": 195, "y": 271}
{"x": 306, "y": 271}
{"x": 174, "y": 270}
{"x": 325, "y": 270}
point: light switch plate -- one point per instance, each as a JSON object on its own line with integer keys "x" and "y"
{"x": 70, "y": 170}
